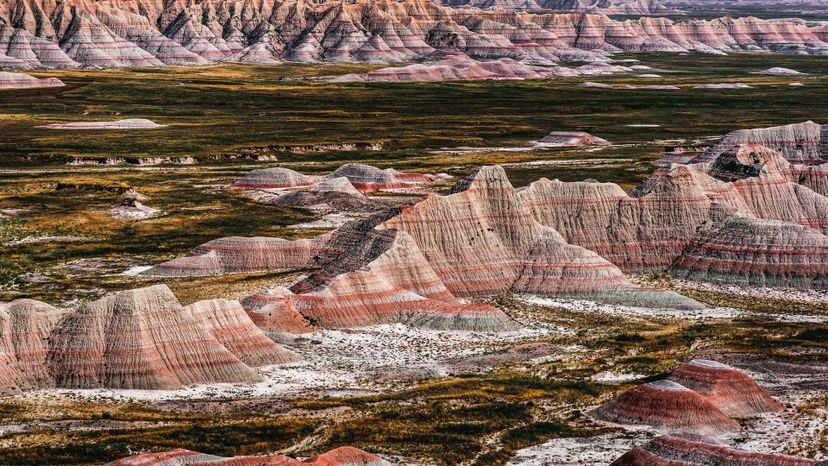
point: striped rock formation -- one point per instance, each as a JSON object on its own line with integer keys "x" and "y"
{"x": 799, "y": 143}
{"x": 140, "y": 339}
{"x": 366, "y": 178}
{"x": 228, "y": 322}
{"x": 109, "y": 33}
{"x": 731, "y": 390}
{"x": 333, "y": 194}
{"x": 611, "y": 7}
{"x": 24, "y": 81}
{"x": 667, "y": 406}
{"x": 571, "y": 139}
{"x": 342, "y": 456}
{"x": 25, "y": 326}
{"x": 129, "y": 123}
{"x": 236, "y": 254}
{"x": 673, "y": 451}
{"x": 273, "y": 311}
{"x": 135, "y": 339}
{"x": 277, "y": 177}
{"x": 763, "y": 227}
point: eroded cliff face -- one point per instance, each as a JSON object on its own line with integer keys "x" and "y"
{"x": 342, "y": 456}
{"x": 113, "y": 33}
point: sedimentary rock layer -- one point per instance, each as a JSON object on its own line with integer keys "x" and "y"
{"x": 667, "y": 406}
{"x": 41, "y": 34}
{"x": 731, "y": 390}
{"x": 799, "y": 143}
{"x": 673, "y": 451}
{"x": 24, "y": 81}
{"x": 342, "y": 456}
{"x": 136, "y": 339}
{"x": 611, "y": 7}
{"x": 367, "y": 178}
{"x": 236, "y": 254}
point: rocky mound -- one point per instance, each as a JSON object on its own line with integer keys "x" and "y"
{"x": 277, "y": 177}
{"x": 366, "y": 178}
{"x": 779, "y": 71}
{"x": 731, "y": 390}
{"x": 274, "y": 312}
{"x": 571, "y": 139}
{"x": 667, "y": 406}
{"x": 342, "y": 456}
{"x": 129, "y": 123}
{"x": 107, "y": 34}
{"x": 25, "y": 326}
{"x": 630, "y": 87}
{"x": 24, "y": 81}
{"x": 132, "y": 208}
{"x": 139, "y": 339}
{"x": 333, "y": 194}
{"x": 673, "y": 451}
{"x": 799, "y": 143}
{"x": 450, "y": 67}
{"x": 242, "y": 255}
{"x": 724, "y": 86}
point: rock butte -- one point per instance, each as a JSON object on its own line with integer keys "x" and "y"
{"x": 24, "y": 81}
{"x": 136, "y": 339}
{"x": 667, "y": 406}
{"x": 103, "y": 34}
{"x": 673, "y": 451}
{"x": 342, "y": 456}
{"x": 731, "y": 390}
{"x": 367, "y": 178}
{"x": 129, "y": 123}
{"x": 337, "y": 194}
{"x": 571, "y": 139}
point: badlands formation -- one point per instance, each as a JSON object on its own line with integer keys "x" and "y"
{"x": 24, "y": 81}
{"x": 700, "y": 397}
{"x": 343, "y": 456}
{"x": 106, "y": 34}
{"x": 675, "y": 451}
{"x": 136, "y": 339}
{"x": 129, "y": 123}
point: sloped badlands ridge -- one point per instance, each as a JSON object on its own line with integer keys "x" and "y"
{"x": 136, "y": 339}
{"x": 41, "y": 34}
{"x": 342, "y": 456}
{"x": 700, "y": 397}
{"x": 24, "y": 81}
{"x": 673, "y": 451}
{"x": 606, "y": 7}
{"x": 668, "y": 406}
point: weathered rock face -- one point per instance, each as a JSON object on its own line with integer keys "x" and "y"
{"x": 277, "y": 177}
{"x": 111, "y": 34}
{"x": 139, "y": 339}
{"x": 24, "y": 81}
{"x": 342, "y": 456}
{"x": 673, "y": 451}
{"x": 25, "y": 326}
{"x": 243, "y": 255}
{"x": 667, "y": 406}
{"x": 731, "y": 390}
{"x": 571, "y": 139}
